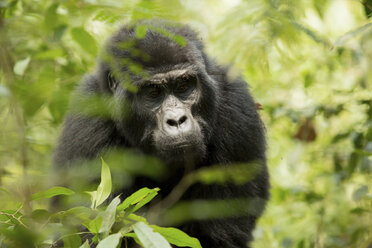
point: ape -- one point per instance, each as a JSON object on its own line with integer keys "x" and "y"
{"x": 170, "y": 100}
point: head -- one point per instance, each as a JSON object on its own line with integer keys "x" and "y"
{"x": 165, "y": 85}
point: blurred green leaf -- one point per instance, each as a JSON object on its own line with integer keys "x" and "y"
{"x": 351, "y": 34}
{"x": 4, "y": 190}
{"x": 52, "y": 192}
{"x": 236, "y": 173}
{"x": 141, "y": 31}
{"x": 40, "y": 215}
{"x": 353, "y": 162}
{"x": 184, "y": 211}
{"x": 85, "y": 40}
{"x": 359, "y": 211}
{"x": 21, "y": 66}
{"x": 77, "y": 214}
{"x": 51, "y": 17}
{"x": 49, "y": 54}
{"x": 72, "y": 241}
{"x": 360, "y": 193}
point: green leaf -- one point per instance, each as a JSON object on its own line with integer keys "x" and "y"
{"x": 108, "y": 216}
{"x": 148, "y": 237}
{"x": 137, "y": 197}
{"x": 145, "y": 200}
{"x": 49, "y": 54}
{"x": 104, "y": 188}
{"x": 95, "y": 225}
{"x": 105, "y": 16}
{"x": 360, "y": 193}
{"x": 93, "y": 196}
{"x": 136, "y": 218}
{"x": 85, "y": 40}
{"x": 351, "y": 34}
{"x": 79, "y": 214}
{"x": 359, "y": 211}
{"x": 52, "y": 192}
{"x": 4, "y": 190}
{"x": 141, "y": 31}
{"x": 21, "y": 66}
{"x": 51, "y": 17}
{"x": 40, "y": 215}
{"x": 235, "y": 173}
{"x": 211, "y": 209}
{"x": 85, "y": 245}
{"x": 110, "y": 241}
{"x": 177, "y": 237}
{"x": 72, "y": 241}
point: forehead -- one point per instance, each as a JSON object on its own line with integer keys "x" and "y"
{"x": 152, "y": 50}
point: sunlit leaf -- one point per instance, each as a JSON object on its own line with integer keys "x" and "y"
{"x": 95, "y": 225}
{"x": 110, "y": 241}
{"x": 108, "y": 215}
{"x": 148, "y": 237}
{"x": 177, "y": 237}
{"x": 104, "y": 188}
{"x": 145, "y": 195}
{"x": 21, "y": 66}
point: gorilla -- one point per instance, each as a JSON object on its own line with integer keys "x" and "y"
{"x": 166, "y": 98}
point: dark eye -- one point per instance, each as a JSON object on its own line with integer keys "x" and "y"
{"x": 154, "y": 91}
{"x": 186, "y": 84}
{"x": 183, "y": 87}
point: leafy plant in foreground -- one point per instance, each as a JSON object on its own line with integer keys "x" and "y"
{"x": 83, "y": 227}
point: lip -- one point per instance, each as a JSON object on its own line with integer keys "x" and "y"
{"x": 181, "y": 145}
{"x": 178, "y": 146}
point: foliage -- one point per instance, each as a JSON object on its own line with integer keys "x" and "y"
{"x": 308, "y": 63}
{"x": 106, "y": 226}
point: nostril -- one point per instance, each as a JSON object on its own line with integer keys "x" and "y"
{"x": 182, "y": 120}
{"x": 172, "y": 123}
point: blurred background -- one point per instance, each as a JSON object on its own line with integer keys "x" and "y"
{"x": 307, "y": 62}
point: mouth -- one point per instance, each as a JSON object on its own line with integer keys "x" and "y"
{"x": 181, "y": 145}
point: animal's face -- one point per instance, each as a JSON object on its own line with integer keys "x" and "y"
{"x": 170, "y": 100}
{"x": 172, "y": 106}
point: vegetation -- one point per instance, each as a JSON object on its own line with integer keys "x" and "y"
{"x": 308, "y": 63}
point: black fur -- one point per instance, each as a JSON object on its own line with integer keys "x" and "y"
{"x": 230, "y": 127}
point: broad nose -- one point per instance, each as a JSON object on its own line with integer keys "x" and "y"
{"x": 176, "y": 121}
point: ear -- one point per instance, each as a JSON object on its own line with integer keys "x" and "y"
{"x": 112, "y": 82}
